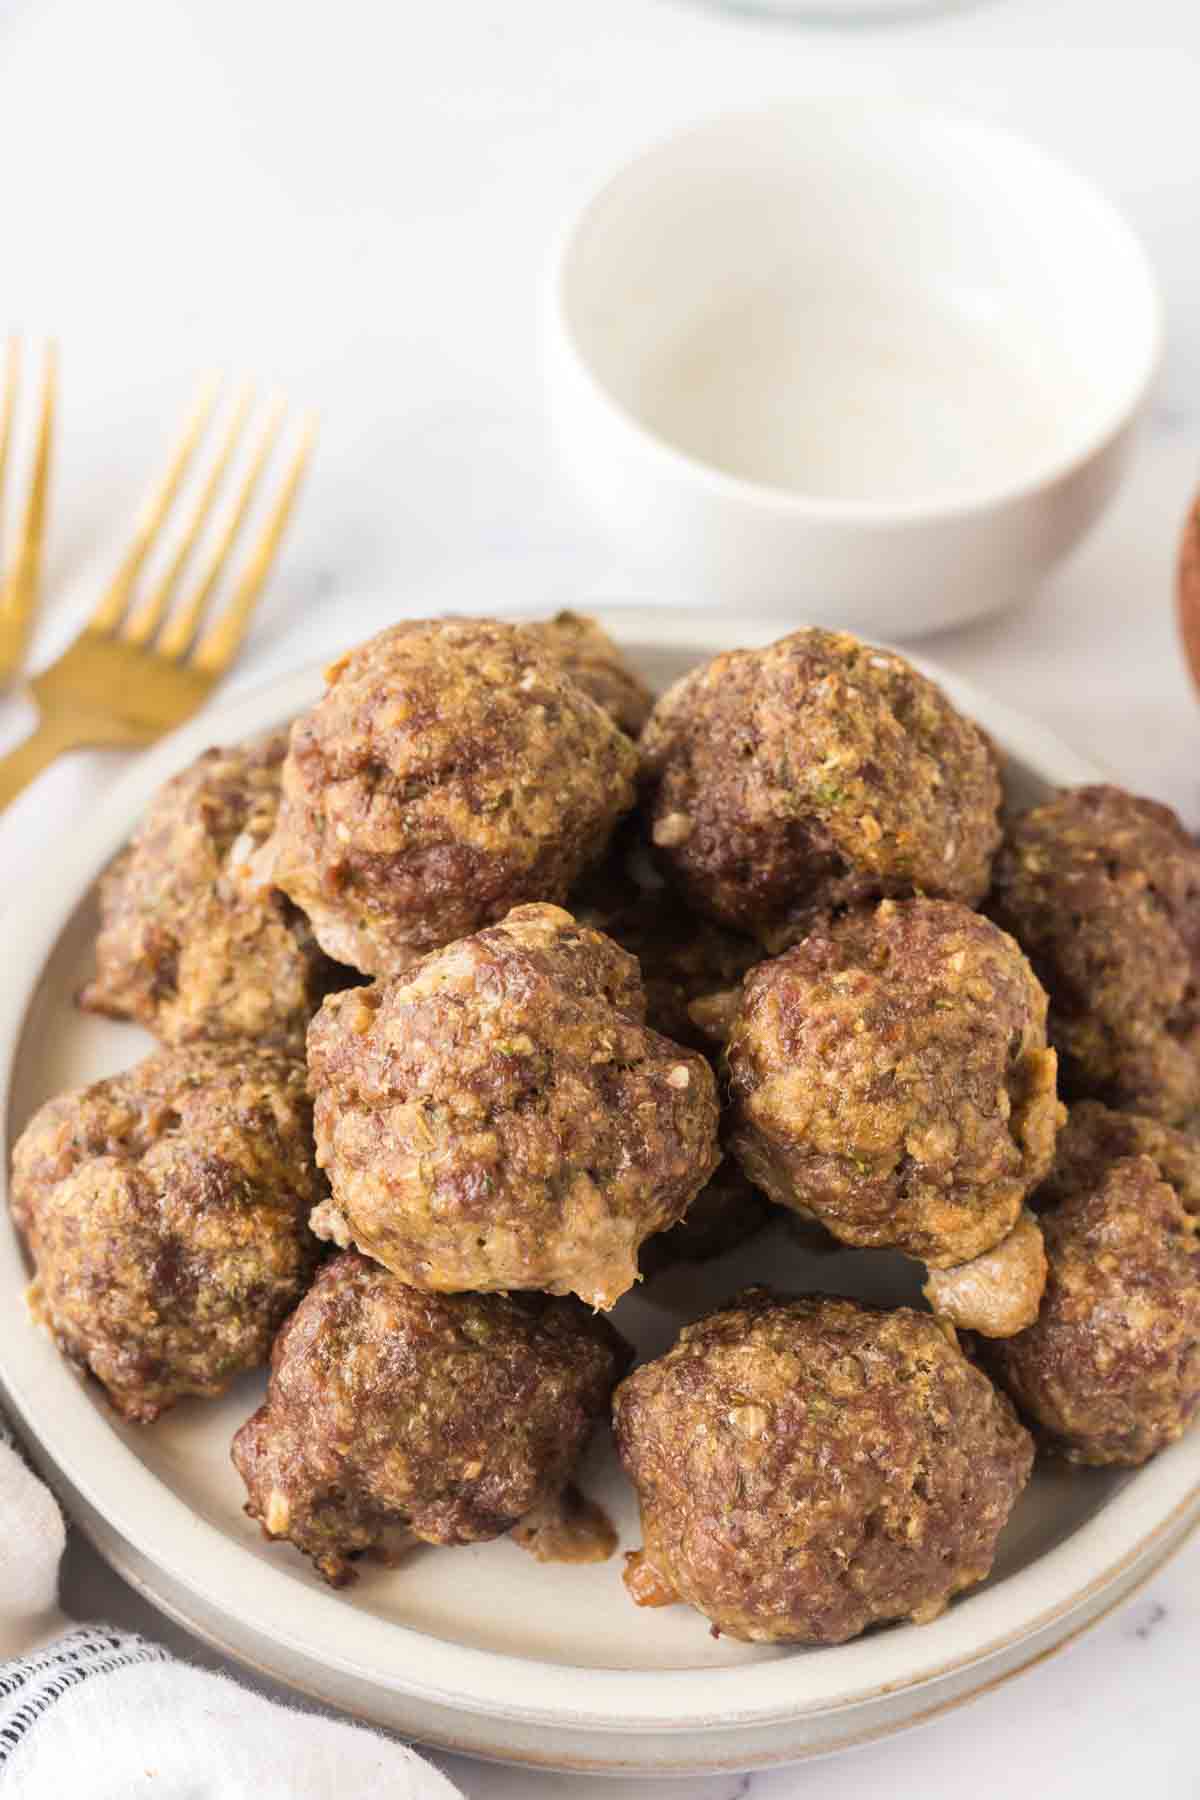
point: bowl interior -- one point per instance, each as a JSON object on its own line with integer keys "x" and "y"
{"x": 859, "y": 302}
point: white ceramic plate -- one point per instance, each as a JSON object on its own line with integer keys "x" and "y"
{"x": 482, "y": 1648}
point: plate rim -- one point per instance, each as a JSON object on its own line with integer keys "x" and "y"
{"x": 273, "y": 1602}
{"x": 996, "y": 1673}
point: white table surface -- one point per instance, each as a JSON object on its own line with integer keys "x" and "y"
{"x": 355, "y": 201}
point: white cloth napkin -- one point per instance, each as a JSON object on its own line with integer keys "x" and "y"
{"x": 92, "y": 1711}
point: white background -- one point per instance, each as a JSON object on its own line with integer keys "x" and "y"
{"x": 355, "y": 201}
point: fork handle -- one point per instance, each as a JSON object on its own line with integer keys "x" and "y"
{"x": 26, "y": 762}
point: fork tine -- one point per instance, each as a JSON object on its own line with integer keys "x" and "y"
{"x": 177, "y": 638}
{"x": 146, "y": 620}
{"x": 155, "y": 508}
{"x": 220, "y": 643}
{"x": 21, "y": 588}
{"x": 12, "y": 377}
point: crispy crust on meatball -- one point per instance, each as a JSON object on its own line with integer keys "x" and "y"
{"x": 889, "y": 1076}
{"x": 1095, "y": 1136}
{"x": 444, "y": 1417}
{"x": 452, "y": 770}
{"x": 818, "y": 772}
{"x": 166, "y": 1213}
{"x": 1102, "y": 889}
{"x": 1110, "y": 1371}
{"x": 595, "y": 664}
{"x": 192, "y": 944}
{"x": 809, "y": 1467}
{"x": 500, "y": 1118}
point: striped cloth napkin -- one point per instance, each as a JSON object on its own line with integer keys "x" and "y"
{"x": 88, "y": 1710}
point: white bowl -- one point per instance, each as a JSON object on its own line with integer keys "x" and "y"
{"x": 855, "y": 361}
{"x": 481, "y": 1648}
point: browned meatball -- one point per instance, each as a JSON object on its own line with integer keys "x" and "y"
{"x": 441, "y": 1417}
{"x": 166, "y": 1212}
{"x": 998, "y": 1293}
{"x": 889, "y": 1076}
{"x": 807, "y": 1468}
{"x": 816, "y": 773}
{"x": 499, "y": 1117}
{"x": 691, "y": 969}
{"x": 686, "y": 963}
{"x": 723, "y": 1215}
{"x": 1103, "y": 891}
{"x": 1110, "y": 1372}
{"x": 1095, "y": 1136}
{"x": 595, "y": 664}
{"x": 452, "y": 770}
{"x": 192, "y": 944}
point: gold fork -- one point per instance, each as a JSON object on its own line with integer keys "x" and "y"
{"x": 22, "y": 579}
{"x": 140, "y": 666}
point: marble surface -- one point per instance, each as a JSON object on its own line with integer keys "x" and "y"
{"x": 355, "y": 203}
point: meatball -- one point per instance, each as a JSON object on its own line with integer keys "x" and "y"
{"x": 392, "y": 1412}
{"x": 1095, "y": 1136}
{"x": 816, "y": 773}
{"x": 452, "y": 770}
{"x": 595, "y": 664}
{"x": 889, "y": 1076}
{"x": 996, "y": 1294}
{"x": 165, "y": 1210}
{"x": 692, "y": 970}
{"x": 192, "y": 944}
{"x": 1103, "y": 891}
{"x": 809, "y": 1467}
{"x": 499, "y": 1117}
{"x": 723, "y": 1215}
{"x": 1110, "y": 1371}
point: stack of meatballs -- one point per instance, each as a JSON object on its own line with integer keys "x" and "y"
{"x": 495, "y": 987}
